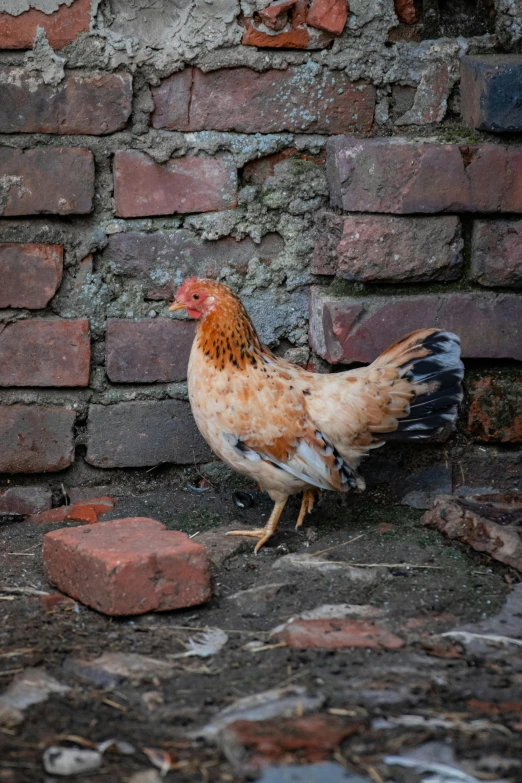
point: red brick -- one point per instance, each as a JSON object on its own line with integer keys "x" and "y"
{"x": 491, "y": 92}
{"x": 19, "y": 501}
{"x": 496, "y": 253}
{"x": 336, "y": 634}
{"x": 50, "y": 602}
{"x": 93, "y": 103}
{"x": 86, "y": 511}
{"x": 127, "y": 566}
{"x": 162, "y": 258}
{"x": 61, "y": 27}
{"x": 35, "y": 439}
{"x": 276, "y": 14}
{"x": 252, "y": 745}
{"x": 49, "y": 180}
{"x": 406, "y": 12}
{"x": 495, "y": 407}
{"x": 296, "y": 37}
{"x": 45, "y": 353}
{"x": 250, "y": 102}
{"x": 398, "y": 176}
{"x": 358, "y": 329}
{"x": 140, "y": 434}
{"x": 328, "y": 15}
{"x": 148, "y": 351}
{"x": 31, "y": 274}
{"x": 383, "y": 248}
{"x": 190, "y": 184}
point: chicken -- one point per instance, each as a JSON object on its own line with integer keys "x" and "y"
{"x": 296, "y": 431}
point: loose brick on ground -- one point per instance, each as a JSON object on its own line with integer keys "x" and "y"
{"x": 251, "y": 102}
{"x": 35, "y": 439}
{"x": 495, "y": 407}
{"x": 162, "y": 258}
{"x": 92, "y": 103}
{"x": 382, "y": 248}
{"x": 147, "y": 351}
{"x": 496, "y": 253}
{"x": 46, "y": 180}
{"x": 399, "y": 176}
{"x": 45, "y": 353}
{"x": 358, "y": 329}
{"x": 30, "y": 274}
{"x": 127, "y": 566}
{"x": 19, "y": 501}
{"x": 335, "y": 634}
{"x": 491, "y": 92}
{"x": 140, "y": 434}
{"x": 88, "y": 511}
{"x": 61, "y": 27}
{"x": 189, "y": 184}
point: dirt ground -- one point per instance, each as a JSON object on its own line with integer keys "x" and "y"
{"x": 461, "y": 696}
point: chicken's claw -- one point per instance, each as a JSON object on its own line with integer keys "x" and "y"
{"x": 263, "y": 533}
{"x": 307, "y": 505}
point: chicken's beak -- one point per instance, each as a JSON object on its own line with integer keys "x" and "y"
{"x": 177, "y": 306}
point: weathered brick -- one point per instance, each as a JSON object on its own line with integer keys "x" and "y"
{"x": 337, "y": 633}
{"x": 496, "y": 253}
{"x": 495, "y": 407}
{"x": 399, "y": 176}
{"x": 190, "y": 184}
{"x": 61, "y": 27}
{"x": 148, "y": 351}
{"x": 54, "y": 180}
{"x": 406, "y": 11}
{"x": 381, "y": 248}
{"x": 30, "y": 274}
{"x": 163, "y": 258}
{"x": 35, "y": 439}
{"x": 137, "y": 434}
{"x": 491, "y": 92}
{"x": 358, "y": 329}
{"x": 328, "y": 15}
{"x": 127, "y": 566}
{"x": 45, "y": 353}
{"x": 93, "y": 103}
{"x": 19, "y": 501}
{"x": 322, "y": 101}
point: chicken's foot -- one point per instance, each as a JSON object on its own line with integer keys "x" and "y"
{"x": 307, "y": 505}
{"x": 266, "y": 532}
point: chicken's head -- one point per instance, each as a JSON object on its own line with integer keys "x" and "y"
{"x": 199, "y": 297}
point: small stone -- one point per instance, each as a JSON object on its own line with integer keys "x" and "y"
{"x": 19, "y": 501}
{"x": 127, "y": 566}
{"x": 71, "y": 761}
{"x": 30, "y": 687}
{"x": 296, "y": 562}
{"x": 111, "y": 669}
{"x": 327, "y": 772}
{"x": 257, "y": 601}
{"x": 220, "y": 547}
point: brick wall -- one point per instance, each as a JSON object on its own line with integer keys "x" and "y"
{"x": 354, "y": 171}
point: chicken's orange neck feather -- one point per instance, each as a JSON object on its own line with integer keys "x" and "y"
{"x": 227, "y": 336}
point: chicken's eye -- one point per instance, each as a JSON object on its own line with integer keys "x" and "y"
{"x": 195, "y": 296}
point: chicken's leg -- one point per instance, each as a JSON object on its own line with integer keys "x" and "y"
{"x": 263, "y": 533}
{"x": 307, "y": 505}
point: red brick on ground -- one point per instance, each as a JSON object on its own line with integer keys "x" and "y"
{"x": 30, "y": 274}
{"x": 159, "y": 259}
{"x": 357, "y": 329}
{"x": 35, "y": 439}
{"x": 92, "y": 103}
{"x": 48, "y": 180}
{"x": 45, "y": 353}
{"x": 61, "y": 27}
{"x": 143, "y": 434}
{"x": 19, "y": 501}
{"x": 328, "y": 15}
{"x": 496, "y": 253}
{"x": 127, "y": 566}
{"x": 335, "y": 634}
{"x": 399, "y": 176}
{"x": 148, "y": 351}
{"x": 88, "y": 511}
{"x": 384, "y": 248}
{"x": 495, "y": 407}
{"x": 189, "y": 184}
{"x": 252, "y": 102}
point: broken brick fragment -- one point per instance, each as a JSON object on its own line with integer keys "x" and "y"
{"x": 329, "y": 634}
{"x": 328, "y": 15}
{"x": 127, "y": 566}
{"x": 87, "y": 511}
{"x": 406, "y": 11}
